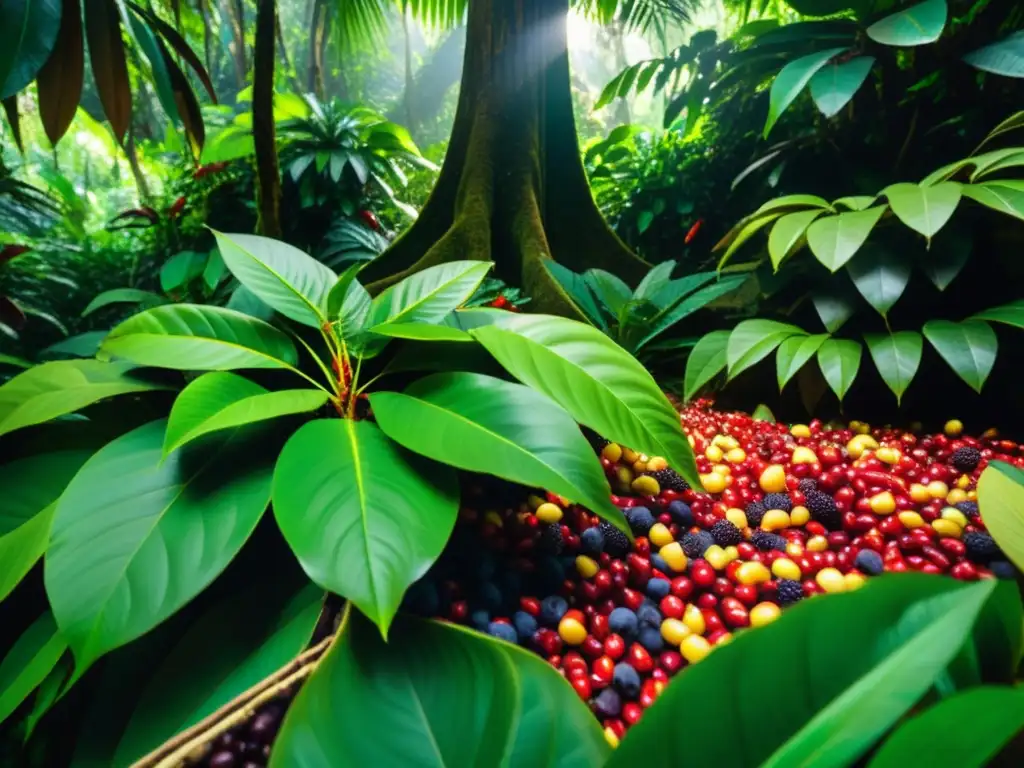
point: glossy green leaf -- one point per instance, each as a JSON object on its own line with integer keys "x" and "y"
{"x": 1005, "y": 196}
{"x": 1004, "y": 57}
{"x": 706, "y": 361}
{"x": 671, "y": 293}
{"x": 14, "y": 362}
{"x": 744, "y": 232}
{"x": 428, "y": 296}
{"x": 880, "y": 275}
{"x": 595, "y": 380}
{"x": 31, "y": 488}
{"x": 219, "y": 400}
{"x": 834, "y": 85}
{"x": 685, "y": 307}
{"x": 924, "y": 209}
{"x": 136, "y": 536}
{"x": 457, "y": 698}
{"x": 793, "y": 354}
{"x": 28, "y": 32}
{"x": 969, "y": 348}
{"x": 1010, "y": 314}
{"x": 855, "y": 202}
{"x": 420, "y": 332}
{"x": 753, "y": 340}
{"x": 656, "y": 278}
{"x": 835, "y": 239}
{"x": 575, "y": 286}
{"x": 285, "y": 278}
{"x": 763, "y": 413}
{"x": 790, "y": 203}
{"x": 787, "y": 232}
{"x": 365, "y": 517}
{"x": 833, "y": 687}
{"x": 232, "y": 647}
{"x": 122, "y": 296}
{"x": 194, "y": 337}
{"x": 482, "y": 424}
{"x": 181, "y": 269}
{"x": 47, "y": 391}
{"x": 1001, "y": 501}
{"x": 792, "y": 79}
{"x": 349, "y": 302}
{"x": 611, "y": 292}
{"x": 834, "y": 305}
{"x": 1000, "y": 162}
{"x": 966, "y": 730}
{"x": 897, "y": 357}
{"x": 947, "y": 256}
{"x": 839, "y": 360}
{"x": 917, "y": 25}
{"x": 28, "y": 662}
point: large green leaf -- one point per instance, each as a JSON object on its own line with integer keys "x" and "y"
{"x": 787, "y": 232}
{"x": 671, "y": 293}
{"x": 28, "y": 32}
{"x": 897, "y": 357}
{"x": 917, "y": 25}
{"x": 1005, "y": 196}
{"x": 136, "y": 535}
{"x": 123, "y": 296}
{"x": 792, "y": 79}
{"x": 706, "y": 361}
{"x": 577, "y": 289}
{"x": 1010, "y": 314}
{"x": 947, "y": 256}
{"x": 744, "y": 231}
{"x": 685, "y": 307}
{"x": 880, "y": 275}
{"x": 1001, "y": 500}
{"x": 969, "y": 348}
{"x": 349, "y": 303}
{"x": 428, "y": 296}
{"x": 421, "y": 332}
{"x": 31, "y": 489}
{"x": 596, "y": 381}
{"x": 835, "y": 239}
{"x": 457, "y": 698}
{"x": 966, "y": 730}
{"x": 232, "y": 647}
{"x": 794, "y": 353}
{"x": 834, "y": 85}
{"x": 285, "y": 278}
{"x": 656, "y": 278}
{"x": 839, "y": 360}
{"x": 834, "y": 304}
{"x": 181, "y": 269}
{"x": 64, "y": 386}
{"x": 833, "y": 687}
{"x": 924, "y": 209}
{"x": 28, "y": 662}
{"x": 194, "y": 337}
{"x": 753, "y": 340}
{"x": 611, "y": 291}
{"x": 365, "y": 517}
{"x": 1005, "y": 57}
{"x": 482, "y": 424}
{"x": 221, "y": 400}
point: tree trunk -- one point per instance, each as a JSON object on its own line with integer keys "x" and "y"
{"x": 268, "y": 176}
{"x": 133, "y": 162}
{"x": 431, "y": 82}
{"x": 228, "y": 12}
{"x": 318, "y": 32}
{"x": 208, "y": 40}
{"x": 512, "y": 189}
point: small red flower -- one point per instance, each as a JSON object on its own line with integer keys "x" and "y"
{"x": 693, "y": 232}
{"x": 176, "y": 208}
{"x": 370, "y": 220}
{"x": 499, "y": 303}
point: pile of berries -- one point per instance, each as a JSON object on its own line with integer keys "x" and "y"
{"x": 787, "y": 513}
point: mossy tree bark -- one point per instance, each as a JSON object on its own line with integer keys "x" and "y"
{"x": 512, "y": 189}
{"x": 268, "y": 173}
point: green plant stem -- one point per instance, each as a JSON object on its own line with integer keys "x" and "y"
{"x": 326, "y": 371}
{"x": 310, "y": 379}
{"x": 371, "y": 381}
{"x": 353, "y": 392}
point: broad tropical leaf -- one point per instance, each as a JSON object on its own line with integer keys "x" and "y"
{"x": 577, "y": 289}
{"x": 1001, "y": 500}
{"x": 917, "y": 25}
{"x": 195, "y": 337}
{"x": 1010, "y": 314}
{"x": 787, "y": 232}
{"x": 109, "y": 65}
{"x": 611, "y": 291}
{"x": 924, "y": 209}
{"x": 706, "y": 361}
{"x": 123, "y": 296}
{"x": 969, "y": 348}
{"x": 1005, "y": 57}
{"x": 794, "y": 353}
{"x": 1005, "y": 196}
{"x": 482, "y": 424}
{"x": 880, "y": 275}
{"x": 592, "y": 378}
{"x": 428, "y": 296}
{"x": 655, "y": 279}
{"x": 792, "y": 79}
{"x": 59, "y": 82}
{"x": 839, "y": 360}
{"x": 947, "y": 256}
{"x": 420, "y": 332}
{"x": 28, "y": 33}
{"x": 834, "y": 85}
{"x": 28, "y": 662}
{"x": 64, "y": 386}
{"x": 136, "y": 536}
{"x": 365, "y": 517}
{"x": 349, "y": 302}
{"x": 834, "y": 305}
{"x": 685, "y": 307}
{"x": 835, "y": 239}
{"x": 743, "y": 232}
{"x": 753, "y": 340}
{"x": 897, "y": 357}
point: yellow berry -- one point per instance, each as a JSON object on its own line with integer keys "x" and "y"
{"x": 629, "y": 455}
{"x": 549, "y": 513}
{"x": 764, "y": 613}
{"x": 963, "y": 482}
{"x": 863, "y": 429}
{"x": 736, "y": 456}
{"x": 817, "y": 544}
{"x": 919, "y": 493}
{"x": 694, "y": 619}
{"x": 773, "y": 479}
{"x": 694, "y": 648}
{"x": 612, "y": 452}
{"x": 784, "y": 568}
{"x": 611, "y": 738}
{"x": 953, "y": 427}
{"x": 674, "y": 631}
{"x": 854, "y": 581}
{"x": 803, "y": 455}
{"x": 954, "y": 514}
{"x": 799, "y": 516}
{"x": 572, "y": 631}
{"x": 674, "y": 556}
{"x": 990, "y": 434}
{"x": 534, "y": 501}
{"x": 859, "y": 444}
{"x": 639, "y": 466}
{"x": 714, "y": 454}
{"x": 646, "y": 485}
{"x": 729, "y": 442}
{"x": 721, "y": 469}
{"x": 716, "y": 556}
{"x": 753, "y": 572}
{"x": 911, "y": 520}
{"x": 938, "y": 489}
{"x": 660, "y": 535}
{"x": 947, "y": 528}
{"x": 624, "y": 475}
{"x": 972, "y": 495}
{"x": 795, "y": 549}
{"x": 831, "y": 580}
{"x": 956, "y": 495}
{"x": 888, "y": 455}
{"x": 737, "y": 517}
{"x": 732, "y": 553}
{"x": 713, "y": 482}
{"x": 657, "y": 463}
{"x": 883, "y": 503}
{"x": 800, "y": 430}
{"x": 491, "y": 516}
{"x": 587, "y": 567}
{"x": 775, "y": 520}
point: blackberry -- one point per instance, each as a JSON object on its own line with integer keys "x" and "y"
{"x": 766, "y": 541}
{"x": 778, "y": 501}
{"x": 726, "y": 534}
{"x": 551, "y": 539}
{"x": 696, "y": 544}
{"x": 616, "y": 543}
{"x": 670, "y": 480}
{"x": 823, "y": 509}
{"x": 640, "y": 520}
{"x": 969, "y": 508}
{"x": 755, "y": 511}
{"x": 808, "y": 484}
{"x": 965, "y": 459}
{"x": 981, "y": 547}
{"x": 790, "y": 591}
